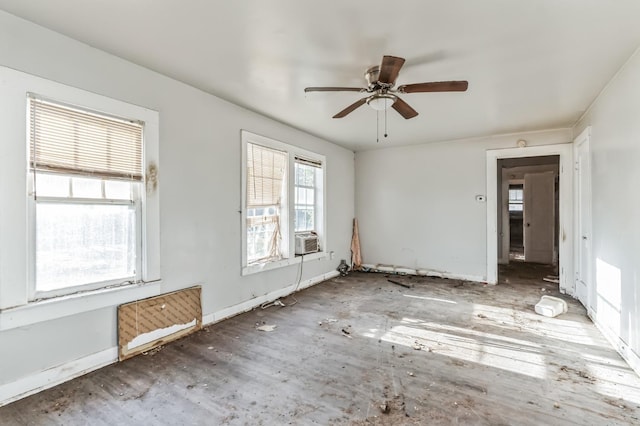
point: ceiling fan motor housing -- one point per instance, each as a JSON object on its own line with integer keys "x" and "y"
{"x": 372, "y": 75}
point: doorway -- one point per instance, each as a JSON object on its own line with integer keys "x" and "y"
{"x": 561, "y": 237}
{"x": 529, "y": 209}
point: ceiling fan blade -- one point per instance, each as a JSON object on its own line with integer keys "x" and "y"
{"x": 404, "y": 109}
{"x": 436, "y": 86}
{"x": 350, "y": 108}
{"x": 389, "y": 69}
{"x": 334, "y": 89}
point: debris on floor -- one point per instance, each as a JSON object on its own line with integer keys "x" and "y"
{"x": 154, "y": 350}
{"x": 401, "y": 284}
{"x": 274, "y": 303}
{"x": 550, "y": 306}
{"x": 266, "y": 327}
{"x": 417, "y": 346}
{"x": 552, "y": 279}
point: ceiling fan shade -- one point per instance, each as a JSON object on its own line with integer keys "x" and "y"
{"x": 381, "y": 102}
{"x": 436, "y": 86}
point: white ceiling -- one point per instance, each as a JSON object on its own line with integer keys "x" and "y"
{"x": 531, "y": 64}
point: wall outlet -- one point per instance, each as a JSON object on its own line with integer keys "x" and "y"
{"x": 331, "y": 255}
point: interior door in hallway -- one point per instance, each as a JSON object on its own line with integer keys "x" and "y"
{"x": 583, "y": 222}
{"x": 539, "y": 217}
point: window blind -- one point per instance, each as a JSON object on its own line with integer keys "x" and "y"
{"x": 265, "y": 175}
{"x": 68, "y": 140}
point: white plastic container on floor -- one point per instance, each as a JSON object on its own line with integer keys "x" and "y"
{"x": 550, "y": 306}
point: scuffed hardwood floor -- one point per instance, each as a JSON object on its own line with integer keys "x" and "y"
{"x": 361, "y": 350}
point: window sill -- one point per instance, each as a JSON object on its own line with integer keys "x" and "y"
{"x": 260, "y": 267}
{"x": 58, "y": 307}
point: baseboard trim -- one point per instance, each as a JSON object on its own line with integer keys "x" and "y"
{"x": 260, "y": 300}
{"x": 51, "y": 377}
{"x": 620, "y": 346}
{"x": 391, "y": 269}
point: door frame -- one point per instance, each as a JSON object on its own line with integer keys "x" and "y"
{"x": 583, "y": 138}
{"x": 565, "y": 235}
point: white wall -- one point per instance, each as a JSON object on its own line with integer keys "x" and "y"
{"x": 199, "y": 177}
{"x": 416, "y": 205}
{"x": 615, "y": 163}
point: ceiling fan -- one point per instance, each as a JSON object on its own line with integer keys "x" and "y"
{"x": 382, "y": 95}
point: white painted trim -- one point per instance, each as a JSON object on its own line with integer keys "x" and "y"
{"x": 583, "y": 138}
{"x": 260, "y": 267}
{"x": 269, "y": 297}
{"x": 566, "y": 253}
{"x": 16, "y": 246}
{"x": 420, "y": 272}
{"x": 627, "y": 353}
{"x": 51, "y": 377}
{"x": 58, "y": 307}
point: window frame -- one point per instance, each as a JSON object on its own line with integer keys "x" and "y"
{"x": 18, "y": 307}
{"x": 287, "y": 226}
{"x": 317, "y": 187}
{"x": 136, "y": 200}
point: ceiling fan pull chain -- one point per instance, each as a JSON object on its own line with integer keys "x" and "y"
{"x": 385, "y": 123}
{"x": 377, "y": 126}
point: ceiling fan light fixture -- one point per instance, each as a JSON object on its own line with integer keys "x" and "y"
{"x": 382, "y": 101}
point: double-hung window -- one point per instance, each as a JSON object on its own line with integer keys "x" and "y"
{"x": 307, "y": 175}
{"x": 283, "y": 196}
{"x": 86, "y": 174}
{"x": 515, "y": 198}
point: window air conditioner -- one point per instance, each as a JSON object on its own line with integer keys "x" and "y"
{"x": 307, "y": 242}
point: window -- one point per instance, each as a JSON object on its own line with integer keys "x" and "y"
{"x": 282, "y": 195}
{"x": 86, "y": 177}
{"x": 307, "y": 173}
{"x": 515, "y": 198}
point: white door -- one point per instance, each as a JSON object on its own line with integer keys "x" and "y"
{"x": 583, "y": 222}
{"x": 539, "y": 217}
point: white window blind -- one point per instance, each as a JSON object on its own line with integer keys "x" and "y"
{"x": 67, "y": 140}
{"x": 265, "y": 175}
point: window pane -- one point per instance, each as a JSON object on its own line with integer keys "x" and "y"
{"x": 117, "y": 190}
{"x": 263, "y": 239}
{"x": 514, "y": 207}
{"x": 515, "y": 194}
{"x": 52, "y": 185}
{"x": 86, "y": 188}
{"x": 304, "y": 219}
{"x": 305, "y": 175}
{"x": 83, "y": 243}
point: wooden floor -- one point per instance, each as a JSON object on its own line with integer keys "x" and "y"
{"x": 361, "y": 350}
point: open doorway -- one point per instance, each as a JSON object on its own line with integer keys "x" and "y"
{"x": 529, "y": 209}
{"x": 550, "y": 182}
